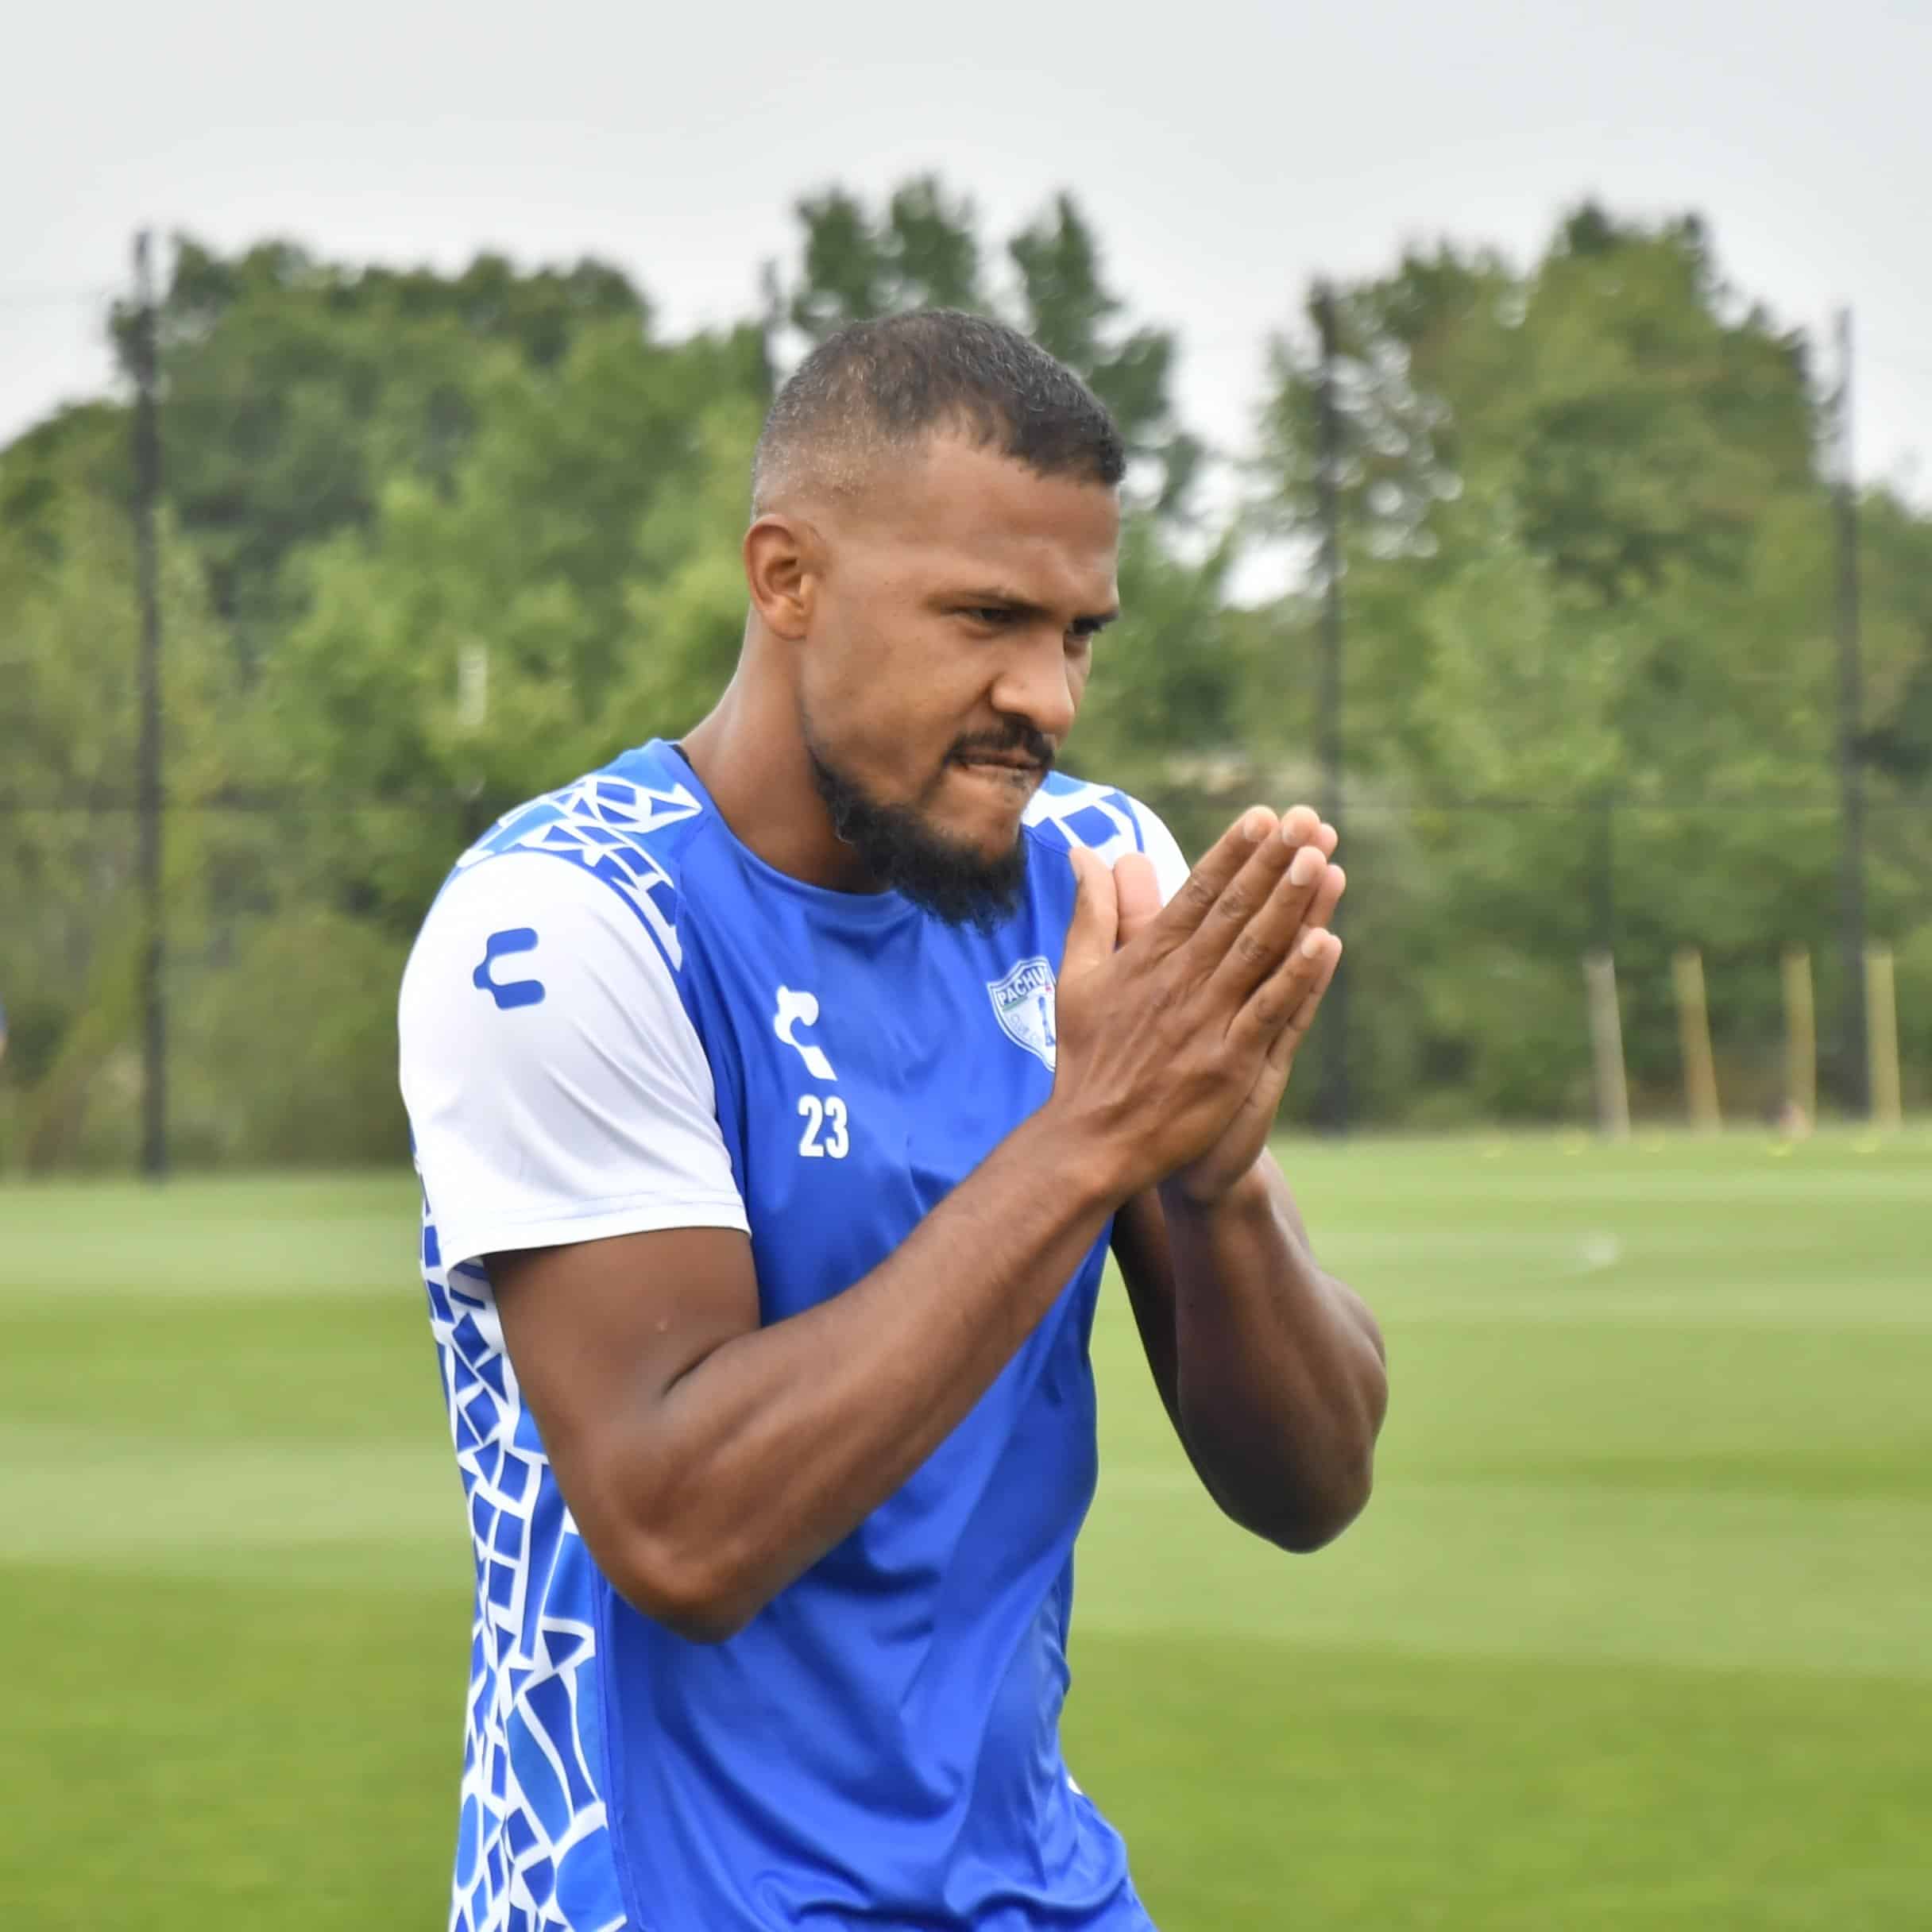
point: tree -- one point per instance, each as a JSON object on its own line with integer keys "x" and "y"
{"x": 294, "y": 388}
{"x": 922, "y": 249}
{"x": 1066, "y": 306}
{"x": 68, "y": 641}
{"x": 527, "y": 565}
{"x": 1588, "y": 583}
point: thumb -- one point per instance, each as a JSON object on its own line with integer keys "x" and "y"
{"x": 1095, "y": 923}
{"x": 1137, "y": 892}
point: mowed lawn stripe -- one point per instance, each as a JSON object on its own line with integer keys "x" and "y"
{"x": 1501, "y": 1569}
{"x": 122, "y": 1500}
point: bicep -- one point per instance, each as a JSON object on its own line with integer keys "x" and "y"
{"x": 599, "y": 1332}
{"x": 565, "y": 1127}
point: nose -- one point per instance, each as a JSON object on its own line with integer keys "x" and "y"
{"x": 1039, "y": 683}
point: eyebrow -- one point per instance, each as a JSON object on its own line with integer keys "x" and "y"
{"x": 1086, "y": 623}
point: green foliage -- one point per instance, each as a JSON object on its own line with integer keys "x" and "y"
{"x": 433, "y": 542}
{"x": 1590, "y": 594}
{"x": 294, "y": 388}
{"x": 68, "y": 835}
{"x": 528, "y": 566}
{"x": 922, "y": 249}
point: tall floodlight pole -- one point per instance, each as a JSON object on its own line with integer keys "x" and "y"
{"x": 1332, "y": 1096}
{"x": 147, "y": 490}
{"x": 1854, "y": 1085}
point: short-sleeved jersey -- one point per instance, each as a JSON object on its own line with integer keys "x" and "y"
{"x": 618, "y": 1018}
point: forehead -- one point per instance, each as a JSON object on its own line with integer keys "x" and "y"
{"x": 951, "y": 509}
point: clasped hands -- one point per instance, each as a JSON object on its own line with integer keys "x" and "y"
{"x": 1222, "y": 984}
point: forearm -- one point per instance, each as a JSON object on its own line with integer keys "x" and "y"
{"x": 777, "y": 1444}
{"x": 1280, "y": 1383}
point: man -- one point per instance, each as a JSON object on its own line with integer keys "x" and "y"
{"x": 776, "y": 1096}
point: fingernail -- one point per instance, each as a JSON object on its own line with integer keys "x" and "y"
{"x": 1311, "y": 946}
{"x": 1256, "y": 826}
{"x": 1304, "y": 866}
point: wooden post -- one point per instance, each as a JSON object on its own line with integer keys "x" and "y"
{"x": 1800, "y": 1035}
{"x": 1694, "y": 1039}
{"x": 1882, "y": 1035}
{"x": 1606, "y": 1046}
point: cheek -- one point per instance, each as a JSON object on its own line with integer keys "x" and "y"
{"x": 886, "y": 722}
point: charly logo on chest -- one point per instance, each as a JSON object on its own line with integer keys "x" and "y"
{"x": 1023, "y": 1002}
{"x": 827, "y": 1134}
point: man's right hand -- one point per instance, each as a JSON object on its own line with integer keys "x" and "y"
{"x": 1161, "y": 1039}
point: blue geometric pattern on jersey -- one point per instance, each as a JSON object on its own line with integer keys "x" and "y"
{"x": 533, "y": 1852}
{"x": 598, "y": 823}
{"x": 1075, "y": 813}
{"x": 821, "y": 1768}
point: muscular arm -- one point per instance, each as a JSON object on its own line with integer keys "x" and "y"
{"x": 709, "y": 1461}
{"x": 1271, "y": 1371}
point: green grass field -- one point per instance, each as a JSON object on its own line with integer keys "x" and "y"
{"x": 1637, "y": 1632}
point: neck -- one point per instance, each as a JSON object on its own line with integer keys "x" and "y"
{"x": 753, "y": 762}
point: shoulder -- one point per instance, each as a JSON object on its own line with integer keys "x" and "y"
{"x": 557, "y": 1085}
{"x": 627, "y": 827}
{"x": 1067, "y": 811}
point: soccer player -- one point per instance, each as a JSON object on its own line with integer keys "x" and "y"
{"x": 777, "y": 1093}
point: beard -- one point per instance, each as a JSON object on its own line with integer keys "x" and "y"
{"x": 954, "y": 881}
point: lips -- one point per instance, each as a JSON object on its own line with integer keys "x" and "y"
{"x": 1018, "y": 771}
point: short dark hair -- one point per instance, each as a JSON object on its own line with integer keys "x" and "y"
{"x": 888, "y": 384}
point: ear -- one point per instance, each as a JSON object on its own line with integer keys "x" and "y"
{"x": 780, "y": 554}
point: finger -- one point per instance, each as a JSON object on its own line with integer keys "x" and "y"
{"x": 1283, "y": 1048}
{"x": 1327, "y": 837}
{"x": 1278, "y": 1002}
{"x": 1271, "y": 898}
{"x": 1305, "y": 824}
{"x": 1137, "y": 891}
{"x": 1201, "y": 892}
{"x": 1327, "y": 896}
{"x": 1094, "y": 925}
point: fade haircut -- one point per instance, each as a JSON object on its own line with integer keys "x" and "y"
{"x": 873, "y": 388}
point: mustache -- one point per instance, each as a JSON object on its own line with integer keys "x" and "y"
{"x": 1020, "y": 742}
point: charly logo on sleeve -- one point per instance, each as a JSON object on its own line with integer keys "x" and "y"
{"x": 508, "y": 994}
{"x": 1023, "y": 1002}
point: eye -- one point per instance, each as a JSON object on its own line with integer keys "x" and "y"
{"x": 994, "y": 616}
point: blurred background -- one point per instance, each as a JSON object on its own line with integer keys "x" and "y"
{"x": 1529, "y": 408}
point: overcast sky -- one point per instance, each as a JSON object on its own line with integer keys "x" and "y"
{"x": 1227, "y": 151}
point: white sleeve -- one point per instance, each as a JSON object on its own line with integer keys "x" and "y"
{"x": 1169, "y": 867}
{"x": 556, "y": 1088}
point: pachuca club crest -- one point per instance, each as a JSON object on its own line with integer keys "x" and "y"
{"x": 1024, "y": 1001}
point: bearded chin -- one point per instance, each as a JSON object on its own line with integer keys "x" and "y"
{"x": 941, "y": 876}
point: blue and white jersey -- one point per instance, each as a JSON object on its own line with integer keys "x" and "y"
{"x": 618, "y": 1018}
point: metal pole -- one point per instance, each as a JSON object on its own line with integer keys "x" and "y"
{"x": 1332, "y": 1096}
{"x": 1855, "y": 1083}
{"x": 147, "y": 490}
